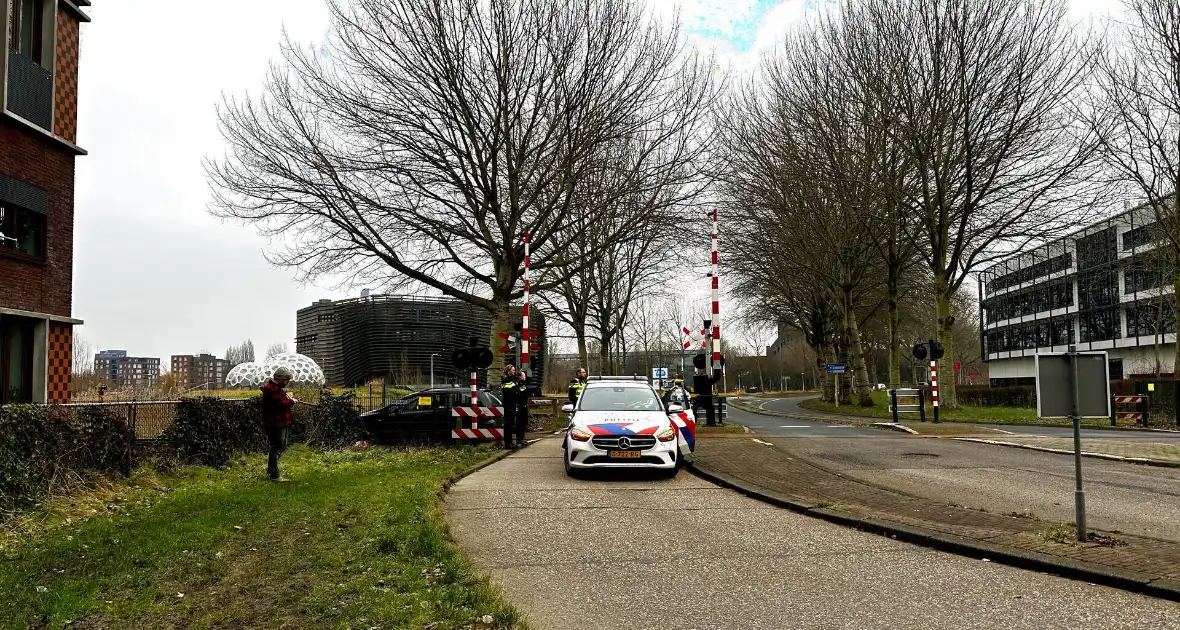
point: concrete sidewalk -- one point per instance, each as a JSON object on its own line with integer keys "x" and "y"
{"x": 636, "y": 552}
{"x": 774, "y": 472}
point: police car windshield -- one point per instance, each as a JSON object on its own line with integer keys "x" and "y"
{"x": 619, "y": 399}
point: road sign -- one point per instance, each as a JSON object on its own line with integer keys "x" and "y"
{"x": 837, "y": 368}
{"x": 659, "y": 372}
{"x": 1055, "y": 386}
{"x": 957, "y": 366}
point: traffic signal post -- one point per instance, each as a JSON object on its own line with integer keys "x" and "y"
{"x": 935, "y": 353}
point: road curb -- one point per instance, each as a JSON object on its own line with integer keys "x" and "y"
{"x": 895, "y": 427}
{"x": 1126, "y": 580}
{"x": 1146, "y": 461}
{"x": 453, "y": 479}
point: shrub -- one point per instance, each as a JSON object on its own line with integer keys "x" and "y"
{"x": 49, "y": 448}
{"x": 1024, "y": 396}
{"x": 332, "y": 423}
{"x": 212, "y": 431}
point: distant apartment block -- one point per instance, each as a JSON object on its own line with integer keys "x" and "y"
{"x": 121, "y": 370}
{"x": 200, "y": 370}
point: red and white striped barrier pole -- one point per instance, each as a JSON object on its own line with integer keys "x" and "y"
{"x": 474, "y": 399}
{"x": 934, "y": 387}
{"x": 524, "y": 314}
{"x": 716, "y": 301}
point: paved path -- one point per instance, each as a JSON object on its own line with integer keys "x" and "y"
{"x": 791, "y": 406}
{"x": 637, "y": 553}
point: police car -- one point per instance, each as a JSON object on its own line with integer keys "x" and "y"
{"x": 621, "y": 423}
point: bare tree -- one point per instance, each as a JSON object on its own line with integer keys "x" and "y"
{"x": 279, "y": 347}
{"x": 1135, "y": 110}
{"x": 241, "y": 353}
{"x": 439, "y": 132}
{"x": 976, "y": 96}
{"x": 82, "y": 363}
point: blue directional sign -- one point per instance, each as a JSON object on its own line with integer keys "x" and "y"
{"x": 659, "y": 372}
{"x": 837, "y": 368}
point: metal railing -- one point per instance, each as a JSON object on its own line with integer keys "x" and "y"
{"x": 148, "y": 419}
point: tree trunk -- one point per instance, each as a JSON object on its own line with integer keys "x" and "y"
{"x": 894, "y": 325}
{"x": 499, "y": 325}
{"x": 1176, "y": 317}
{"x": 583, "y": 352}
{"x": 827, "y": 390}
{"x": 946, "y": 318}
{"x": 864, "y": 390}
{"x": 604, "y": 353}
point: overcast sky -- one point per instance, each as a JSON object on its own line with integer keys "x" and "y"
{"x": 154, "y": 273}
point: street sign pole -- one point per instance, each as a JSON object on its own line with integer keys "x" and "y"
{"x": 1079, "y": 495}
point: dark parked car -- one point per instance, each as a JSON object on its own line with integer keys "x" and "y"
{"x": 426, "y": 415}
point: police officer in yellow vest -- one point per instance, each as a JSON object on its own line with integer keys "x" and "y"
{"x": 513, "y": 396}
{"x": 577, "y": 385}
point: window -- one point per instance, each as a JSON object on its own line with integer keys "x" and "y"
{"x": 27, "y": 18}
{"x": 23, "y": 231}
{"x": 619, "y": 399}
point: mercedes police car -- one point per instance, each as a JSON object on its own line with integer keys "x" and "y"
{"x": 622, "y": 423}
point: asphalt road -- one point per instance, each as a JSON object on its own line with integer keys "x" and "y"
{"x": 791, "y": 405}
{"x": 1132, "y": 498}
{"x": 634, "y": 552}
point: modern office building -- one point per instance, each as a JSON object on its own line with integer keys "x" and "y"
{"x": 1105, "y": 287}
{"x": 121, "y": 370}
{"x": 395, "y": 337}
{"x": 38, "y": 131}
{"x": 200, "y": 370}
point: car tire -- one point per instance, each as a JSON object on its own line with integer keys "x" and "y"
{"x": 569, "y": 470}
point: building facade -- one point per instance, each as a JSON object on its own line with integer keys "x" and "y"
{"x": 200, "y": 370}
{"x": 398, "y": 338}
{"x": 1105, "y": 287}
{"x": 120, "y": 370}
{"x": 38, "y": 131}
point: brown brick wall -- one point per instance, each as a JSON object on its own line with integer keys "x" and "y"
{"x": 41, "y": 162}
{"x": 59, "y": 363}
{"x": 65, "y": 82}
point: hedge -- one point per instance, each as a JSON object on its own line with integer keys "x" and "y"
{"x": 49, "y": 448}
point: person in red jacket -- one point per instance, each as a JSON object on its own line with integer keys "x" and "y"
{"x": 276, "y": 417}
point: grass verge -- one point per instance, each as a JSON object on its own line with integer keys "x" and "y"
{"x": 357, "y": 539}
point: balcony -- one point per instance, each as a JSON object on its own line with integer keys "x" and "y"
{"x": 30, "y": 90}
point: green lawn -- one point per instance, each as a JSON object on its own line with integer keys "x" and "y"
{"x": 356, "y": 540}
{"x": 992, "y": 415}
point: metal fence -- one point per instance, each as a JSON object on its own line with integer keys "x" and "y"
{"x": 148, "y": 419}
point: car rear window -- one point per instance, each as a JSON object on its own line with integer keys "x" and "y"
{"x": 619, "y": 399}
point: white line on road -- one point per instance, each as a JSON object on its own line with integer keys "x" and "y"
{"x": 763, "y": 405}
{"x": 794, "y": 426}
{"x": 761, "y": 442}
{"x": 841, "y": 426}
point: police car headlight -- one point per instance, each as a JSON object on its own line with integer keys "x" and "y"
{"x": 667, "y": 435}
{"x": 580, "y": 434}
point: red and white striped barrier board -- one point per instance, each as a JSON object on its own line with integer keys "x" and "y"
{"x": 476, "y": 434}
{"x": 934, "y": 382}
{"x": 477, "y": 412}
{"x": 1129, "y": 399}
{"x": 1131, "y": 415}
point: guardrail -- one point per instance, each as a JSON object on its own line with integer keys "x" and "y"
{"x": 919, "y": 408}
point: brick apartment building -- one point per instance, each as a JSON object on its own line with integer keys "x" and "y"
{"x": 38, "y": 131}
{"x": 120, "y": 370}
{"x": 200, "y": 370}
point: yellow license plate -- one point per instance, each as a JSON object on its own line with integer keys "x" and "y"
{"x": 625, "y": 454}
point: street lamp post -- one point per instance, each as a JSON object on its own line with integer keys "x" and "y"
{"x": 432, "y": 368}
